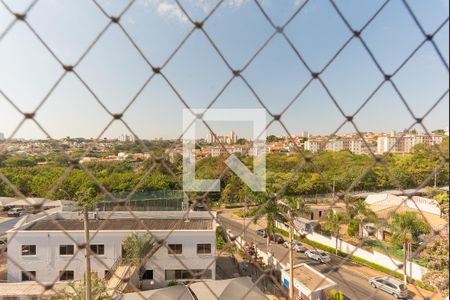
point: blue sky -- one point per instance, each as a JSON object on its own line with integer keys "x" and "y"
{"x": 115, "y": 71}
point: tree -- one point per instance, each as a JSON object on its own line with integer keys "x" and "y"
{"x": 334, "y": 222}
{"x": 85, "y": 197}
{"x": 436, "y": 254}
{"x": 360, "y": 212}
{"x": 137, "y": 247}
{"x": 77, "y": 290}
{"x": 406, "y": 228}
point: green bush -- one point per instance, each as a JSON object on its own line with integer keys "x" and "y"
{"x": 220, "y": 242}
{"x": 234, "y": 206}
{"x": 334, "y": 295}
{"x": 172, "y": 283}
{"x": 353, "y": 228}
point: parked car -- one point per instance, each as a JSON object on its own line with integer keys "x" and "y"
{"x": 3, "y": 243}
{"x": 318, "y": 256}
{"x": 262, "y": 232}
{"x": 16, "y": 212}
{"x": 199, "y": 207}
{"x": 391, "y": 286}
{"x": 297, "y": 247}
{"x": 277, "y": 239}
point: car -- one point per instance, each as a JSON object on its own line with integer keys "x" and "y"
{"x": 3, "y": 243}
{"x": 262, "y": 232}
{"x": 391, "y": 286}
{"x": 297, "y": 247}
{"x": 16, "y": 212}
{"x": 318, "y": 256}
{"x": 277, "y": 239}
{"x": 199, "y": 207}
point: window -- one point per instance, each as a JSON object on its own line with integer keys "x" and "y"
{"x": 312, "y": 215}
{"x": 66, "y": 249}
{"x": 148, "y": 275}
{"x": 320, "y": 214}
{"x": 28, "y": 275}
{"x": 203, "y": 248}
{"x": 175, "y": 248}
{"x": 98, "y": 249}
{"x": 185, "y": 274}
{"x": 28, "y": 250}
{"x": 66, "y": 275}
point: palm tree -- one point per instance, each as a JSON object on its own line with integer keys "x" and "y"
{"x": 334, "y": 222}
{"x": 270, "y": 211}
{"x": 406, "y": 227}
{"x": 359, "y": 211}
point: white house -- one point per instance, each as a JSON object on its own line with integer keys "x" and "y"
{"x": 41, "y": 248}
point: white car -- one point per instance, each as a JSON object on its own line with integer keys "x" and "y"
{"x": 297, "y": 247}
{"x": 318, "y": 256}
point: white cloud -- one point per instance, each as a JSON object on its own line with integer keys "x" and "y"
{"x": 235, "y": 3}
{"x": 171, "y": 10}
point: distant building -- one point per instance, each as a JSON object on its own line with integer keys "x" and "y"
{"x": 2, "y": 136}
{"x": 354, "y": 145}
{"x": 405, "y": 143}
{"x": 126, "y": 138}
{"x": 222, "y": 139}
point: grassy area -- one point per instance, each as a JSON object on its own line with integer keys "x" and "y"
{"x": 383, "y": 247}
{"x": 250, "y": 212}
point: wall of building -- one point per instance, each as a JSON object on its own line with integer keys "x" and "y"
{"x": 48, "y": 262}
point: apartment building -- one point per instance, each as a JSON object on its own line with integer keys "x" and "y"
{"x": 41, "y": 248}
{"x": 222, "y": 139}
{"x": 354, "y": 145}
{"x": 405, "y": 143}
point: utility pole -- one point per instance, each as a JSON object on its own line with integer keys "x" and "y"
{"x": 435, "y": 177}
{"x": 245, "y": 214}
{"x": 87, "y": 258}
{"x": 291, "y": 258}
{"x": 334, "y": 186}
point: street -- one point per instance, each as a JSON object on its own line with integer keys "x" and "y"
{"x": 353, "y": 284}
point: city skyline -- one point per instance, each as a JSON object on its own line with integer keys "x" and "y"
{"x": 115, "y": 71}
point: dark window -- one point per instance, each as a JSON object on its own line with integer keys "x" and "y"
{"x": 28, "y": 275}
{"x": 320, "y": 214}
{"x": 98, "y": 249}
{"x": 175, "y": 248}
{"x": 28, "y": 249}
{"x": 66, "y": 249}
{"x": 185, "y": 274}
{"x": 66, "y": 275}
{"x": 203, "y": 248}
{"x": 312, "y": 216}
{"x": 148, "y": 275}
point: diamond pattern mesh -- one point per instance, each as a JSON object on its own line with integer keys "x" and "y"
{"x": 316, "y": 76}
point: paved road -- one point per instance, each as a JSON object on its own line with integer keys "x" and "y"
{"x": 354, "y": 285}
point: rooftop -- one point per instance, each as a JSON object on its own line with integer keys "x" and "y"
{"x": 107, "y": 220}
{"x": 123, "y": 224}
{"x": 310, "y": 278}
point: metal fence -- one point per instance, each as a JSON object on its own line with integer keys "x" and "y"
{"x": 235, "y": 73}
